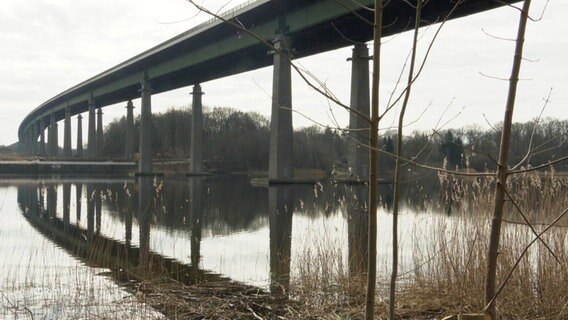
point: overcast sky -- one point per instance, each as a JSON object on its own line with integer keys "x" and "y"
{"x": 48, "y": 46}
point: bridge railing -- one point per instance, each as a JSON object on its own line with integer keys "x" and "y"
{"x": 225, "y": 15}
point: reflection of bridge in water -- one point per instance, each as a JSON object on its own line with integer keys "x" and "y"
{"x": 38, "y": 201}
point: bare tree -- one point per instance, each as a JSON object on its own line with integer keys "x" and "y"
{"x": 503, "y": 167}
{"x": 373, "y": 162}
{"x": 396, "y": 196}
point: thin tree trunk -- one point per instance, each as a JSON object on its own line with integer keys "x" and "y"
{"x": 503, "y": 168}
{"x": 373, "y": 163}
{"x": 396, "y": 196}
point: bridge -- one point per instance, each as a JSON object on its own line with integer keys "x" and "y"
{"x": 217, "y": 49}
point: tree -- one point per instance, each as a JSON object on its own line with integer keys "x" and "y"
{"x": 503, "y": 168}
{"x": 452, "y": 149}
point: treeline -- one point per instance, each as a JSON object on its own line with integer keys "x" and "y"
{"x": 232, "y": 140}
{"x": 532, "y": 144}
{"x": 237, "y": 141}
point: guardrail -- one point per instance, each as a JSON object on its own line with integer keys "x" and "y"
{"x": 225, "y": 15}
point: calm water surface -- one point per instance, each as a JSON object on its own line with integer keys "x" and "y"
{"x": 222, "y": 227}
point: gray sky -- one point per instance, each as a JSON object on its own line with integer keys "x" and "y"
{"x": 51, "y": 45}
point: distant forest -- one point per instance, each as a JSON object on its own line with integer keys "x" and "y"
{"x": 239, "y": 141}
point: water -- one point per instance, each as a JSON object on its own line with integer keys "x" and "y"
{"x": 39, "y": 279}
{"x": 59, "y": 236}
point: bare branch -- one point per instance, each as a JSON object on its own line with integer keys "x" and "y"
{"x": 536, "y": 123}
{"x": 496, "y": 37}
{"x": 529, "y": 224}
{"x": 429, "y": 49}
{"x": 320, "y": 87}
{"x": 489, "y": 124}
{"x": 521, "y": 256}
{"x": 519, "y": 9}
{"x": 546, "y": 165}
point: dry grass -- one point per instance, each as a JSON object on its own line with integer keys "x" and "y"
{"x": 450, "y": 261}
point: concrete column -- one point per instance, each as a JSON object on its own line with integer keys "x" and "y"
{"x": 35, "y": 141}
{"x": 53, "y": 137}
{"x": 23, "y": 143}
{"x": 196, "y": 153}
{"x": 129, "y": 141}
{"x": 30, "y": 140}
{"x": 100, "y": 141}
{"x": 145, "y": 146}
{"x": 42, "y": 150}
{"x": 92, "y": 138}
{"x": 360, "y": 102}
{"x": 67, "y": 133}
{"x": 79, "y": 136}
{"x": 27, "y": 143}
{"x": 281, "y": 160}
{"x": 49, "y": 140}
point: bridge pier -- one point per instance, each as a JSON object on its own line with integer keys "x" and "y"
{"x": 53, "y": 137}
{"x": 25, "y": 143}
{"x": 42, "y": 150}
{"x": 79, "y": 136}
{"x": 100, "y": 138}
{"x": 129, "y": 141}
{"x": 360, "y": 102}
{"x": 281, "y": 158}
{"x": 196, "y": 153}
{"x": 92, "y": 139}
{"x": 67, "y": 133}
{"x": 145, "y": 146}
{"x": 31, "y": 145}
{"x": 35, "y": 142}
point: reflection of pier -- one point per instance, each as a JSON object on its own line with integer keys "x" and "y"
{"x": 280, "y": 211}
{"x": 357, "y": 224}
{"x": 135, "y": 208}
{"x": 146, "y": 271}
{"x": 97, "y": 250}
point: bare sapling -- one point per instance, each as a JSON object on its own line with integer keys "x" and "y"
{"x": 373, "y": 162}
{"x": 398, "y": 163}
{"x": 503, "y": 168}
